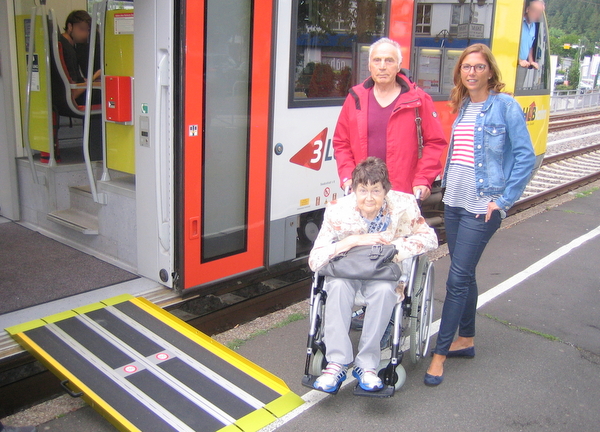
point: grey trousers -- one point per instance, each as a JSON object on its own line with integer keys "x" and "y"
{"x": 380, "y": 297}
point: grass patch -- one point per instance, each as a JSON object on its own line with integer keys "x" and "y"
{"x": 237, "y": 343}
{"x": 524, "y": 329}
{"x": 586, "y": 193}
{"x": 572, "y": 212}
{"x": 290, "y": 319}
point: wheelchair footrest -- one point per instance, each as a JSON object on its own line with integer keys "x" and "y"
{"x": 309, "y": 380}
{"x": 385, "y": 392}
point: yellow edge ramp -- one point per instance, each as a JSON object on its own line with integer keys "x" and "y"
{"x": 117, "y": 299}
{"x": 112, "y": 415}
{"x": 255, "y": 421}
{"x": 30, "y": 325}
{"x": 245, "y": 365}
{"x": 21, "y": 328}
{"x": 284, "y": 404}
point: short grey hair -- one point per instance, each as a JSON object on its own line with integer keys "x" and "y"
{"x": 386, "y": 41}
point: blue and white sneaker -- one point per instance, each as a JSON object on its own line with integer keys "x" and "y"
{"x": 367, "y": 379}
{"x": 332, "y": 378}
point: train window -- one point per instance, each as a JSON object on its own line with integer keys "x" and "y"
{"x": 226, "y": 122}
{"x": 442, "y": 32}
{"x": 330, "y": 48}
{"x": 533, "y": 66}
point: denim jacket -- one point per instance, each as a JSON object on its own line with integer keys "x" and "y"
{"x": 503, "y": 151}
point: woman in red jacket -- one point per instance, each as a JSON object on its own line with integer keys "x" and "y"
{"x": 381, "y": 118}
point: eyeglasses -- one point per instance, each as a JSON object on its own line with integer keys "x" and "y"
{"x": 465, "y": 67}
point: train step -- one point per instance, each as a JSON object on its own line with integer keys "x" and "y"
{"x": 146, "y": 370}
{"x": 77, "y": 220}
{"x": 82, "y": 215}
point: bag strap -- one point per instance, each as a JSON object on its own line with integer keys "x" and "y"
{"x": 419, "y": 132}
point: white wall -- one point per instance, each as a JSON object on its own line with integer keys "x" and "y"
{"x": 9, "y": 201}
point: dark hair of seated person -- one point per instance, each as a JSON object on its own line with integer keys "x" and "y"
{"x": 78, "y": 16}
{"x": 371, "y": 171}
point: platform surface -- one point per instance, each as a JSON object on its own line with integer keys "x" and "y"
{"x": 537, "y": 363}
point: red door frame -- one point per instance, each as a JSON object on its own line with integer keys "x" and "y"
{"x": 195, "y": 272}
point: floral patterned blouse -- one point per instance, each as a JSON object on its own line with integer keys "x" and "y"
{"x": 407, "y": 229}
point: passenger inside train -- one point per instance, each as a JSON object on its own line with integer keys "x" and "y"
{"x": 532, "y": 64}
{"x": 533, "y": 14}
{"x": 72, "y": 58}
{"x": 372, "y": 214}
{"x": 72, "y": 41}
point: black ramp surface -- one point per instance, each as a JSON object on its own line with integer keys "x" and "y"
{"x": 136, "y": 412}
{"x": 176, "y": 367}
{"x": 206, "y": 388}
{"x": 169, "y": 398}
{"x": 91, "y": 340}
{"x": 124, "y": 332}
{"x": 208, "y": 359}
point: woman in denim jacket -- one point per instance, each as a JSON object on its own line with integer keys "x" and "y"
{"x": 489, "y": 163}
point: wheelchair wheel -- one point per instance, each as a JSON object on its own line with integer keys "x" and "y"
{"x": 317, "y": 363}
{"x": 390, "y": 376}
{"x": 422, "y": 311}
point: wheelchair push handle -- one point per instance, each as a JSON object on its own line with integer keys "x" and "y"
{"x": 418, "y": 196}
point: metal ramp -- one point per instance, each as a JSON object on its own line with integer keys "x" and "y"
{"x": 146, "y": 370}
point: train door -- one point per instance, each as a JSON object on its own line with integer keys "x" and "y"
{"x": 154, "y": 54}
{"x": 321, "y": 52}
{"x": 225, "y": 135}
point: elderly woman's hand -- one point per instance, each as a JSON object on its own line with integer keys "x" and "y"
{"x": 359, "y": 240}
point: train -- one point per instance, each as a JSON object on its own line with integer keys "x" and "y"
{"x": 217, "y": 118}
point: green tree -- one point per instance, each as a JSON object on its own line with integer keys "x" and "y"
{"x": 573, "y": 76}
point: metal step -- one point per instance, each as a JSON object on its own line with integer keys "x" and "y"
{"x": 76, "y": 220}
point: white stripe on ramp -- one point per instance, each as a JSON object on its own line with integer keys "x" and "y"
{"x": 313, "y": 397}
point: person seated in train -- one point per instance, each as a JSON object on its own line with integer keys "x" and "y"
{"x": 73, "y": 40}
{"x": 74, "y": 49}
{"x": 532, "y": 16}
{"x": 379, "y": 118}
{"x": 371, "y": 214}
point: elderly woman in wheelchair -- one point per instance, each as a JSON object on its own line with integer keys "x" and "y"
{"x": 371, "y": 215}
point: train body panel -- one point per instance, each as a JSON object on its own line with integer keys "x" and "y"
{"x": 229, "y": 156}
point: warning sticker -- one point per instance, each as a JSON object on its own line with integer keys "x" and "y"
{"x": 124, "y": 23}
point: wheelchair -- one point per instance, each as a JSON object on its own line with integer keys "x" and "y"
{"x": 410, "y": 324}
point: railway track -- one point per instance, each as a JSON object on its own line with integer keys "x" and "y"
{"x": 559, "y": 122}
{"x": 560, "y": 174}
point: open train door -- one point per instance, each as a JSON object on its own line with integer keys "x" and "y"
{"x": 226, "y": 62}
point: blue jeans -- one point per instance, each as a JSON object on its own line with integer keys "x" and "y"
{"x": 467, "y": 237}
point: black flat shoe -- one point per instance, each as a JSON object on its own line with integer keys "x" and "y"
{"x": 433, "y": 380}
{"x": 465, "y": 352}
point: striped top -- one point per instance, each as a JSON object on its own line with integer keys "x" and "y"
{"x": 460, "y": 181}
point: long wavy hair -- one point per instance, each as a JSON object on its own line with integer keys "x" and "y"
{"x": 460, "y": 92}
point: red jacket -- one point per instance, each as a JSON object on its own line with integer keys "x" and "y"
{"x": 405, "y": 168}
